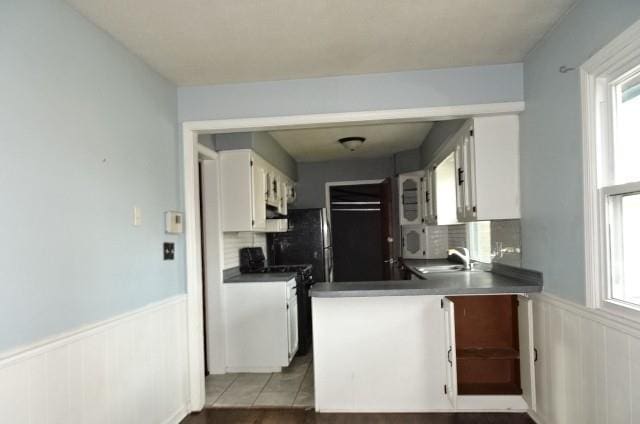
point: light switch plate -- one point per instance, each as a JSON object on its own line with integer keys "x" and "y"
{"x": 137, "y": 216}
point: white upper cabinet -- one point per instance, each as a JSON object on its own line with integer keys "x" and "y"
{"x": 411, "y": 197}
{"x": 260, "y": 192}
{"x": 429, "y": 206}
{"x": 249, "y": 185}
{"x": 414, "y": 242}
{"x": 487, "y": 172}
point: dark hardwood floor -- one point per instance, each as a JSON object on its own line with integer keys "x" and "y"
{"x": 295, "y": 416}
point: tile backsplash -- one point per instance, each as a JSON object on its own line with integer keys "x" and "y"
{"x": 506, "y": 243}
{"x": 503, "y": 242}
{"x": 457, "y": 235}
{"x": 232, "y": 243}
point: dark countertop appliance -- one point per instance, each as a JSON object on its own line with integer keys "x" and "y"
{"x": 252, "y": 261}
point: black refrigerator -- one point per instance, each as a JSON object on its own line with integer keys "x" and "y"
{"x": 307, "y": 241}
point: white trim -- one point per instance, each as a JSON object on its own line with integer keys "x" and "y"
{"x": 206, "y": 152}
{"x": 586, "y": 363}
{"x": 333, "y": 119}
{"x": 11, "y": 357}
{"x": 177, "y": 417}
{"x": 535, "y": 417}
{"x": 190, "y": 131}
{"x": 125, "y": 367}
{"x": 193, "y": 261}
{"x": 609, "y": 62}
{"x": 617, "y": 322}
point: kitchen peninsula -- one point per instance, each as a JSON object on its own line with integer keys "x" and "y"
{"x": 395, "y": 345}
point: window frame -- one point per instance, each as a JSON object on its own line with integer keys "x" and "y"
{"x": 607, "y": 69}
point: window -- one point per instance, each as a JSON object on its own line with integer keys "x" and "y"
{"x": 611, "y": 107}
{"x": 479, "y": 235}
{"x": 446, "y": 191}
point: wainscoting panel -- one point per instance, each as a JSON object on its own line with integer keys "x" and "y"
{"x": 129, "y": 369}
{"x": 588, "y": 368}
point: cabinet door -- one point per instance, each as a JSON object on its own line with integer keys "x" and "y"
{"x": 282, "y": 198}
{"x": 527, "y": 351}
{"x": 413, "y": 242}
{"x": 291, "y": 194}
{"x": 470, "y": 209}
{"x": 259, "y": 197}
{"x": 410, "y": 198}
{"x": 429, "y": 189}
{"x": 292, "y": 320}
{"x": 450, "y": 344}
{"x": 460, "y": 177}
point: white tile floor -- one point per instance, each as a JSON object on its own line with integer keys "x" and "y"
{"x": 292, "y": 387}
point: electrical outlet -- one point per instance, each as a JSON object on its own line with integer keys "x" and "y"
{"x": 168, "y": 251}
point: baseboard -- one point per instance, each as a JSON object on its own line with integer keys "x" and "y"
{"x": 177, "y": 417}
{"x": 126, "y": 369}
{"x": 535, "y": 417}
{"x": 253, "y": 369}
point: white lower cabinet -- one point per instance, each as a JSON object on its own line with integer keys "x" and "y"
{"x": 292, "y": 321}
{"x": 261, "y": 325}
{"x": 403, "y": 354}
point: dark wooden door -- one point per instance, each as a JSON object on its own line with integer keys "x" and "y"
{"x": 386, "y": 208}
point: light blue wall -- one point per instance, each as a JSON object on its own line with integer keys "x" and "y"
{"x": 551, "y": 153}
{"x": 87, "y": 131}
{"x": 443, "y": 87}
{"x": 260, "y": 142}
{"x": 312, "y": 177}
{"x": 271, "y": 151}
{"x": 438, "y": 135}
{"x": 407, "y": 161}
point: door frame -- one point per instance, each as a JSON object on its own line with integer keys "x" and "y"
{"x": 327, "y": 197}
{"x": 193, "y": 243}
{"x": 327, "y": 191}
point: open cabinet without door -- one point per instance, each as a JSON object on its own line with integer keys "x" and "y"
{"x": 490, "y": 349}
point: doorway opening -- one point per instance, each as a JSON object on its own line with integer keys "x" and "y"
{"x": 361, "y": 229}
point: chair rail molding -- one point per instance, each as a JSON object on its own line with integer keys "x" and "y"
{"x": 126, "y": 369}
{"x": 588, "y": 369}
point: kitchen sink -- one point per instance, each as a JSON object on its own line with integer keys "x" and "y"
{"x": 439, "y": 268}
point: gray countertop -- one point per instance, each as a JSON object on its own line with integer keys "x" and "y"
{"x": 501, "y": 279}
{"x": 266, "y": 277}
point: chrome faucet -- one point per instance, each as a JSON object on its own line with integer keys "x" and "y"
{"x": 462, "y": 253}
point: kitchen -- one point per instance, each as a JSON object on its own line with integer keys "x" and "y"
{"x": 454, "y": 209}
{"x": 334, "y": 211}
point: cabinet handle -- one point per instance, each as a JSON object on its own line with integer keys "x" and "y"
{"x": 460, "y": 176}
{"x": 535, "y": 355}
{"x": 449, "y": 357}
{"x": 427, "y": 197}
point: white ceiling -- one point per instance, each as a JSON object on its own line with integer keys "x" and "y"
{"x": 319, "y": 144}
{"x": 217, "y": 41}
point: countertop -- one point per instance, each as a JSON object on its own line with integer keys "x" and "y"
{"x": 497, "y": 279}
{"x": 264, "y": 277}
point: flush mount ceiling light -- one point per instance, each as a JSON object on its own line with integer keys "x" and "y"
{"x": 352, "y": 143}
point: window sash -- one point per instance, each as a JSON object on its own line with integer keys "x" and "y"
{"x": 611, "y": 204}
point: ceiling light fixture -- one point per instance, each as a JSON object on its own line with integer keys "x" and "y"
{"x": 352, "y": 143}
